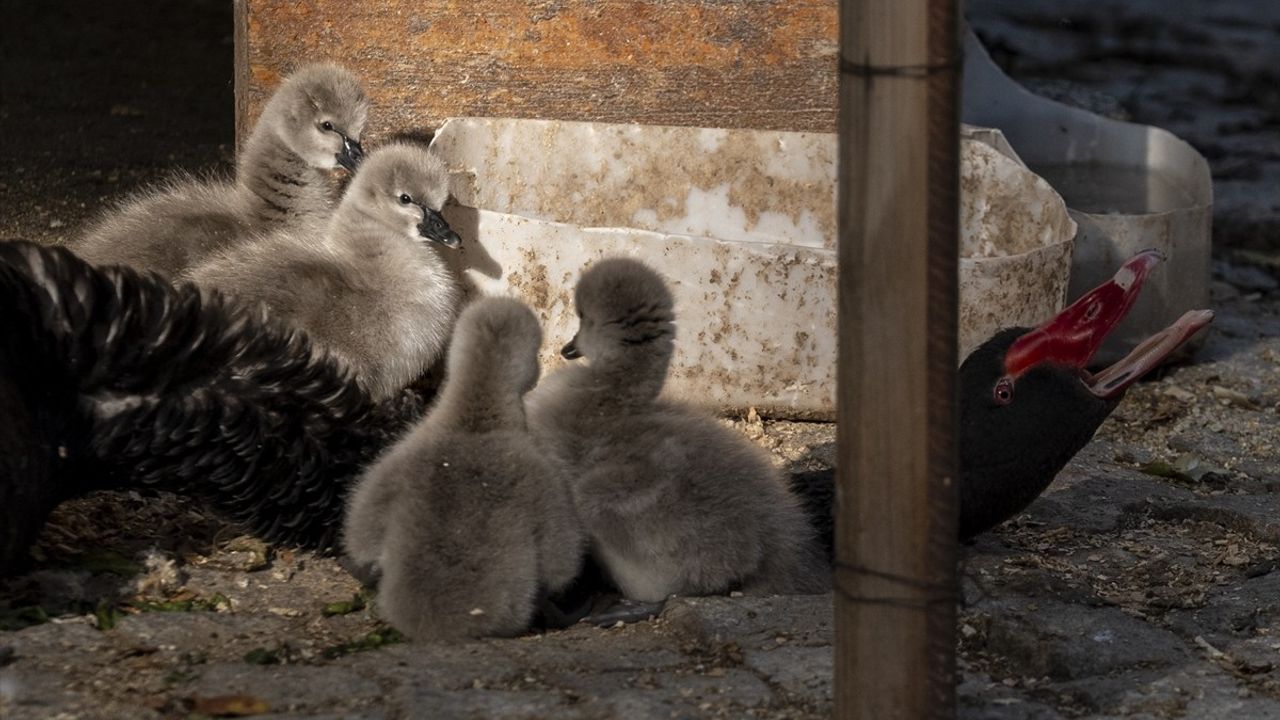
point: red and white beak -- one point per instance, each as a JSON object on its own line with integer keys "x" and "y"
{"x": 1073, "y": 336}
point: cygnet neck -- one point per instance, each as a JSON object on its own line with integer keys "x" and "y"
{"x": 353, "y": 228}
{"x": 632, "y": 376}
{"x": 279, "y": 185}
{"x": 476, "y": 400}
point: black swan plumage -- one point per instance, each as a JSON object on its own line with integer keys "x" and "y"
{"x": 200, "y": 395}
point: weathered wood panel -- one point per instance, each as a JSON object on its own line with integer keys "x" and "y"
{"x": 765, "y": 64}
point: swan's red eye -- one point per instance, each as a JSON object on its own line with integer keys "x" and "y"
{"x": 1003, "y": 392}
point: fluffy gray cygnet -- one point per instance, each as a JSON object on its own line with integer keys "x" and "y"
{"x": 672, "y": 502}
{"x": 311, "y": 124}
{"x": 372, "y": 288}
{"x": 467, "y": 519}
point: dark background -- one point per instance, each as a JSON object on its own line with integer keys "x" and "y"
{"x": 97, "y": 96}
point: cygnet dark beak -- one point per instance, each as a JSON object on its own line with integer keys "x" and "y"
{"x": 351, "y": 154}
{"x": 570, "y": 350}
{"x": 433, "y": 227}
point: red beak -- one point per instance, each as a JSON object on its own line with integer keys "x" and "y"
{"x": 1073, "y": 336}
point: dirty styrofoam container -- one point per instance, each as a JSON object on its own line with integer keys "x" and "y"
{"x": 742, "y": 224}
{"x": 1015, "y": 241}
{"x": 1128, "y": 186}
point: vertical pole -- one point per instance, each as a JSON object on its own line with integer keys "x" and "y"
{"x": 240, "y": 36}
{"x": 895, "y": 503}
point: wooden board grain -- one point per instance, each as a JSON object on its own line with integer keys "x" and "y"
{"x": 764, "y": 64}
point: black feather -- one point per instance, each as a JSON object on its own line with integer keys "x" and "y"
{"x": 225, "y": 404}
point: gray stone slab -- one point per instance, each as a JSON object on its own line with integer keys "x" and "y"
{"x": 297, "y": 689}
{"x": 482, "y": 704}
{"x": 753, "y": 621}
{"x": 1195, "y": 691}
{"x": 800, "y": 671}
{"x": 978, "y": 697}
{"x": 54, "y": 641}
{"x": 689, "y": 686}
{"x": 728, "y": 694}
{"x": 362, "y": 714}
{"x": 1007, "y": 709}
{"x": 1234, "y": 612}
{"x": 436, "y": 666}
{"x": 1066, "y": 641}
{"x": 1097, "y": 494}
{"x": 597, "y": 649}
{"x": 222, "y": 636}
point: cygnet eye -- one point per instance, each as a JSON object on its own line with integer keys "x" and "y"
{"x": 405, "y": 199}
{"x": 326, "y": 126}
{"x": 1003, "y": 391}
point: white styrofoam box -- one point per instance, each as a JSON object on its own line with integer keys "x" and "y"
{"x": 742, "y": 224}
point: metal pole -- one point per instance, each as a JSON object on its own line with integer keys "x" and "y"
{"x": 895, "y": 505}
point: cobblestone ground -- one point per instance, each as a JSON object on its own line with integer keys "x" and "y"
{"x": 1143, "y": 584}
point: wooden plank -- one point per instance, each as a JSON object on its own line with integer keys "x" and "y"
{"x": 765, "y": 64}
{"x": 898, "y": 219}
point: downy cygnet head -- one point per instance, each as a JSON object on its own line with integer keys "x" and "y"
{"x": 319, "y": 113}
{"x": 622, "y": 303}
{"x": 501, "y": 335}
{"x": 404, "y": 187}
